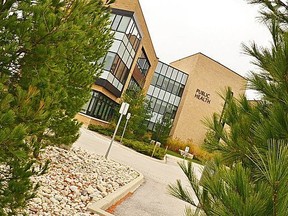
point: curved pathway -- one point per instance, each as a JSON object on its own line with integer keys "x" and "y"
{"x": 151, "y": 198}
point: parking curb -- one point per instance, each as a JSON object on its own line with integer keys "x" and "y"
{"x": 100, "y": 206}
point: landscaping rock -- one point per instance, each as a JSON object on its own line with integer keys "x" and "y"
{"x": 74, "y": 179}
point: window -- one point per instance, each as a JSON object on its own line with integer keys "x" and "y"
{"x": 165, "y": 92}
{"x": 163, "y": 70}
{"x": 160, "y": 81}
{"x": 133, "y": 85}
{"x": 143, "y": 63}
{"x": 109, "y": 60}
{"x": 159, "y": 66}
{"x": 99, "y": 106}
{"x": 116, "y": 22}
{"x": 154, "y": 79}
{"x": 124, "y": 24}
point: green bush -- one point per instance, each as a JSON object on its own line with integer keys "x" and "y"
{"x": 107, "y": 131}
{"x": 144, "y": 148}
{"x": 138, "y": 146}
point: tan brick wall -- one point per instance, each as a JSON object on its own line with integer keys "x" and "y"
{"x": 211, "y": 77}
{"x": 86, "y": 120}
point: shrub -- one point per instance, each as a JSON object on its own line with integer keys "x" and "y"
{"x": 144, "y": 148}
{"x": 198, "y": 152}
{"x": 107, "y": 131}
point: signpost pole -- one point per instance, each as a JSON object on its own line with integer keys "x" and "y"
{"x": 123, "y": 110}
{"x": 127, "y": 118}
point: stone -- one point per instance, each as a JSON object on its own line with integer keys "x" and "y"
{"x": 90, "y": 189}
{"x": 74, "y": 188}
{"x": 101, "y": 188}
{"x": 58, "y": 197}
{"x": 46, "y": 190}
{"x": 84, "y": 198}
{"x": 37, "y": 200}
{"x": 75, "y": 178}
{"x": 103, "y": 194}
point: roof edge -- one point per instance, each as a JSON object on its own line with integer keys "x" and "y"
{"x": 200, "y": 53}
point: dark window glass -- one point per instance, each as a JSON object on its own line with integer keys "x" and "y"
{"x": 157, "y": 106}
{"x": 163, "y": 108}
{"x": 134, "y": 40}
{"x": 165, "y": 84}
{"x": 152, "y": 102}
{"x": 143, "y": 63}
{"x": 119, "y": 69}
{"x": 176, "y": 88}
{"x": 181, "y": 89}
{"x": 160, "y": 80}
{"x": 100, "y": 107}
{"x": 170, "y": 86}
{"x": 154, "y": 79}
{"x": 133, "y": 85}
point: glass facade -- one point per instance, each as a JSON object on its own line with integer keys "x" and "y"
{"x": 165, "y": 92}
{"x": 134, "y": 85}
{"x": 119, "y": 59}
{"x": 99, "y": 106}
{"x": 143, "y": 63}
{"x": 117, "y": 64}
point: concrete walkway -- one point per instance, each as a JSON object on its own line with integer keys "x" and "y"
{"x": 151, "y": 198}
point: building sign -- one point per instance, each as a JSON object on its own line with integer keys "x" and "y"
{"x": 202, "y": 95}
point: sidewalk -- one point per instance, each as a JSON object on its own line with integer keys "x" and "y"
{"x": 152, "y": 197}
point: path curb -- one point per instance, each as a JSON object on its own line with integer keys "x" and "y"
{"x": 100, "y": 206}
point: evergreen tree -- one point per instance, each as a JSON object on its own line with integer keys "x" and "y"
{"x": 163, "y": 128}
{"x": 140, "y": 112}
{"x": 49, "y": 54}
{"x": 249, "y": 176}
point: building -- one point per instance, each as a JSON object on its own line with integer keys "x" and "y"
{"x": 191, "y": 88}
{"x": 187, "y": 90}
{"x": 165, "y": 92}
{"x": 131, "y": 61}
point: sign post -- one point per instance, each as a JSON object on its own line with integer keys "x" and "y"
{"x": 123, "y": 110}
{"x": 127, "y": 118}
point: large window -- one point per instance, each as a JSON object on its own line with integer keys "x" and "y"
{"x": 99, "y": 106}
{"x": 165, "y": 92}
{"x": 119, "y": 59}
{"x": 143, "y": 63}
{"x": 126, "y": 25}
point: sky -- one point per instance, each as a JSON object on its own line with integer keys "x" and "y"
{"x": 217, "y": 28}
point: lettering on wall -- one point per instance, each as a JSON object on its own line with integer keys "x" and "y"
{"x": 203, "y": 96}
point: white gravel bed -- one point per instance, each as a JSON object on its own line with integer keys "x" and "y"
{"x": 76, "y": 178}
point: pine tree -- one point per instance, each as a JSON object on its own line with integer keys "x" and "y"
{"x": 140, "y": 112}
{"x": 249, "y": 176}
{"x": 163, "y": 128}
{"x": 49, "y": 54}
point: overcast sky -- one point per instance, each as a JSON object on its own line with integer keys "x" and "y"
{"x": 217, "y": 28}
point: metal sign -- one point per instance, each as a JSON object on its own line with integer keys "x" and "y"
{"x": 124, "y": 108}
